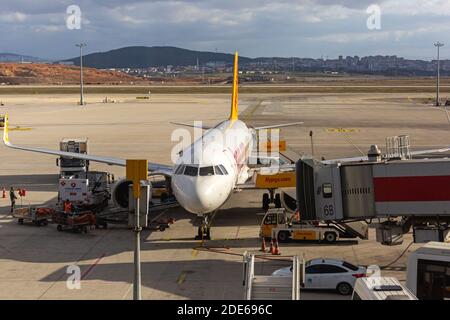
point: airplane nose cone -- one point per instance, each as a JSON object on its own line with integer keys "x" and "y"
{"x": 200, "y": 194}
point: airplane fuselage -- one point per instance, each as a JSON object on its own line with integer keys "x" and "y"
{"x": 208, "y": 170}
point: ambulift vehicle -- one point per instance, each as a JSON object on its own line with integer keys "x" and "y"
{"x": 428, "y": 271}
{"x": 38, "y": 216}
{"x": 276, "y": 224}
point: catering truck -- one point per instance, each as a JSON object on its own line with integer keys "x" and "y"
{"x": 88, "y": 190}
{"x": 70, "y": 166}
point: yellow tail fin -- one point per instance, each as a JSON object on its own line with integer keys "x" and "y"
{"x": 234, "y": 97}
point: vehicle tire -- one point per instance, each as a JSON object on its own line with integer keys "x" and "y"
{"x": 162, "y": 228}
{"x": 44, "y": 222}
{"x": 265, "y": 201}
{"x": 59, "y": 227}
{"x": 20, "y": 221}
{"x": 277, "y": 200}
{"x": 330, "y": 237}
{"x": 283, "y": 236}
{"x": 344, "y": 288}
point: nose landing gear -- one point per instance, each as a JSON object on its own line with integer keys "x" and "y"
{"x": 204, "y": 229}
{"x": 269, "y": 198}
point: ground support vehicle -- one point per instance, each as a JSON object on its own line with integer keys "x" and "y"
{"x": 277, "y": 225}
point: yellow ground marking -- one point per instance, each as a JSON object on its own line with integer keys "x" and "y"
{"x": 182, "y": 277}
{"x": 341, "y": 130}
{"x": 20, "y": 129}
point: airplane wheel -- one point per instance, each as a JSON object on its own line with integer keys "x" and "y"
{"x": 277, "y": 200}
{"x": 265, "y": 201}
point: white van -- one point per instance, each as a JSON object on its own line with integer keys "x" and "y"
{"x": 381, "y": 288}
{"x": 428, "y": 272}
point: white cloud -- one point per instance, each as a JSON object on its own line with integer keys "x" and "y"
{"x": 13, "y": 17}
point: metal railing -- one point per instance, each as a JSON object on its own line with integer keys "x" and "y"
{"x": 398, "y": 147}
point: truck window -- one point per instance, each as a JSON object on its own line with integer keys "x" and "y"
{"x": 433, "y": 280}
{"x": 271, "y": 219}
{"x": 327, "y": 191}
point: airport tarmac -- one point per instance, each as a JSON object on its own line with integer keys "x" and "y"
{"x": 34, "y": 260}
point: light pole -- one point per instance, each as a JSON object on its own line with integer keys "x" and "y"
{"x": 438, "y": 45}
{"x": 81, "y": 45}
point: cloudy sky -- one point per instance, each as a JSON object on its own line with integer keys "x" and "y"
{"x": 302, "y": 28}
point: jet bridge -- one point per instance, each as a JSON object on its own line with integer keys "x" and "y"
{"x": 404, "y": 192}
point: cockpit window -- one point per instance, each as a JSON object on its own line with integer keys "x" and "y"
{"x": 191, "y": 171}
{"x": 223, "y": 169}
{"x": 206, "y": 171}
{"x": 218, "y": 170}
{"x": 180, "y": 169}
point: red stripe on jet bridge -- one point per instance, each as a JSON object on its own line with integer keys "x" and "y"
{"x": 421, "y": 188}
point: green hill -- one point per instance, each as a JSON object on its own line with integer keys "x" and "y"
{"x": 143, "y": 57}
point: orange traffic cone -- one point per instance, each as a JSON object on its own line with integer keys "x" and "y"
{"x": 272, "y": 248}
{"x": 277, "y": 249}
{"x": 4, "y": 193}
{"x": 263, "y": 245}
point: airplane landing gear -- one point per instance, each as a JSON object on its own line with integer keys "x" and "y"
{"x": 204, "y": 229}
{"x": 269, "y": 198}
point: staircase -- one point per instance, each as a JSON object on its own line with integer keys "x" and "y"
{"x": 262, "y": 287}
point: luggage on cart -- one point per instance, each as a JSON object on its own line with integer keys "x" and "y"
{"x": 38, "y": 216}
{"x": 76, "y": 221}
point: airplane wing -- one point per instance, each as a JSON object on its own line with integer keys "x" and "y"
{"x": 152, "y": 167}
{"x": 191, "y": 125}
{"x": 278, "y": 125}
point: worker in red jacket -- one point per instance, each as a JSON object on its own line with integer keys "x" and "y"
{"x": 67, "y": 206}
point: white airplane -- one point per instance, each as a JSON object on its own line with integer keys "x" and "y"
{"x": 206, "y": 172}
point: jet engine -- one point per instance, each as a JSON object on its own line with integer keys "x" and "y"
{"x": 121, "y": 193}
